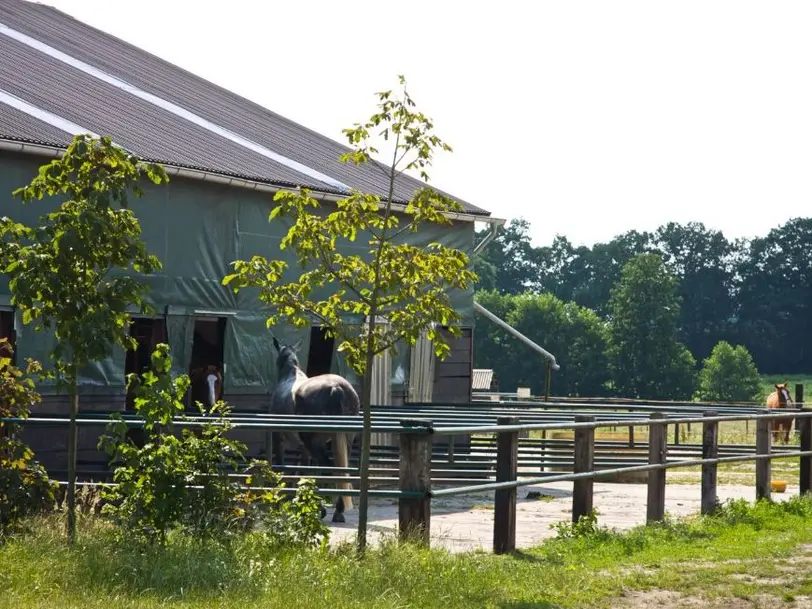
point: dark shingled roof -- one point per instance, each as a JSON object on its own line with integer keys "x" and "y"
{"x": 151, "y": 132}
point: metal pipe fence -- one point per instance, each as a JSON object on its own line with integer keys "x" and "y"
{"x": 495, "y": 454}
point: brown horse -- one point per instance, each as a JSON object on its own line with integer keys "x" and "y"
{"x": 780, "y": 399}
{"x": 207, "y": 385}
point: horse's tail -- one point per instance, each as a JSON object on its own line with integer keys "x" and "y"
{"x": 342, "y": 441}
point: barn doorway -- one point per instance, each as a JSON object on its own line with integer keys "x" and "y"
{"x": 147, "y": 332}
{"x": 320, "y": 355}
{"x": 7, "y": 332}
{"x": 208, "y": 349}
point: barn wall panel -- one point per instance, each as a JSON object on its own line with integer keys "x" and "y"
{"x": 197, "y": 229}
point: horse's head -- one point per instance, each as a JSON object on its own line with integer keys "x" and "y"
{"x": 783, "y": 393}
{"x": 286, "y": 356}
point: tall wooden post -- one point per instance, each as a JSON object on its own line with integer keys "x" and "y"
{"x": 655, "y": 509}
{"x": 710, "y": 450}
{"x": 631, "y": 433}
{"x": 584, "y": 457}
{"x": 507, "y": 469}
{"x": 805, "y": 476}
{"x": 414, "y": 513}
{"x": 763, "y": 466}
{"x": 799, "y": 403}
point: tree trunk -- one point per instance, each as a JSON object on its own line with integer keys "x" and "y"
{"x": 366, "y": 439}
{"x": 72, "y": 449}
{"x": 366, "y": 436}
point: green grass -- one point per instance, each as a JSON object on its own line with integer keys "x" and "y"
{"x": 745, "y": 551}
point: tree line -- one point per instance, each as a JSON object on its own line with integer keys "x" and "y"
{"x": 639, "y": 314}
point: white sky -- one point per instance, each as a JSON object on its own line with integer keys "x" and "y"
{"x": 587, "y": 118}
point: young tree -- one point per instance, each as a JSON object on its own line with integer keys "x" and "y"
{"x": 406, "y": 285}
{"x": 74, "y": 270}
{"x": 730, "y": 375}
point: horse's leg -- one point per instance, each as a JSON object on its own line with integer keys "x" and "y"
{"x": 307, "y": 449}
{"x": 341, "y": 454}
{"x": 318, "y": 456}
{"x": 278, "y": 448}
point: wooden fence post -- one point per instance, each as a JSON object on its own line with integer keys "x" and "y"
{"x": 799, "y": 403}
{"x": 655, "y": 508}
{"x": 710, "y": 450}
{"x": 805, "y": 477}
{"x": 507, "y": 469}
{"x": 414, "y": 513}
{"x": 763, "y": 466}
{"x": 584, "y": 457}
{"x": 631, "y": 433}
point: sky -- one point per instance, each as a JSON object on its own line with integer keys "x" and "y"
{"x": 586, "y": 118}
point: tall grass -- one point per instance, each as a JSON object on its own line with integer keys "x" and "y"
{"x": 585, "y": 568}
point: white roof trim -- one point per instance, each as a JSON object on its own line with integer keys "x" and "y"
{"x": 43, "y": 115}
{"x": 169, "y": 106}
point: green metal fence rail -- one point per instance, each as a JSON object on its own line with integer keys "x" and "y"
{"x": 487, "y": 447}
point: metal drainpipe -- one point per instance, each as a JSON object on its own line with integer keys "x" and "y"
{"x": 495, "y": 223}
{"x": 503, "y": 324}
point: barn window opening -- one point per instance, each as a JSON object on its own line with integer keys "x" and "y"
{"x": 208, "y": 351}
{"x": 147, "y": 332}
{"x": 7, "y": 332}
{"x": 320, "y": 355}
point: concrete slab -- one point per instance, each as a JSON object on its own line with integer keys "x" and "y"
{"x": 465, "y": 523}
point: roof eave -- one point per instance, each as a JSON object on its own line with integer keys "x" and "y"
{"x": 54, "y": 151}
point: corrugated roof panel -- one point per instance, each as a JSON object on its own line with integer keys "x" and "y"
{"x": 172, "y": 141}
{"x": 19, "y": 125}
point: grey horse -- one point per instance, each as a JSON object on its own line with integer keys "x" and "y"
{"x": 326, "y": 395}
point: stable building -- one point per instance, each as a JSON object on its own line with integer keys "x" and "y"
{"x": 226, "y": 157}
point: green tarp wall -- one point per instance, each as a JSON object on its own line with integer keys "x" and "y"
{"x": 197, "y": 229}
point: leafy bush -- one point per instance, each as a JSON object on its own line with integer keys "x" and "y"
{"x": 587, "y": 526}
{"x": 283, "y": 521}
{"x": 729, "y": 375}
{"x": 25, "y": 488}
{"x": 185, "y": 481}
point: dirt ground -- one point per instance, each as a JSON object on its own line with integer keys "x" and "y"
{"x": 664, "y": 599}
{"x": 465, "y": 523}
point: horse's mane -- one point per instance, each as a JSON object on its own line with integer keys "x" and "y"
{"x": 287, "y": 359}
